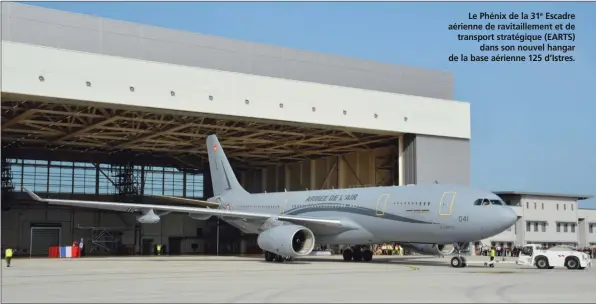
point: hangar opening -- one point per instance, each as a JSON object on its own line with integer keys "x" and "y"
{"x": 61, "y": 149}
{"x": 104, "y": 113}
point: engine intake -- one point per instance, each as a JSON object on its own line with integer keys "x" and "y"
{"x": 287, "y": 240}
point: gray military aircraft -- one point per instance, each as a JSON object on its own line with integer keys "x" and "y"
{"x": 430, "y": 219}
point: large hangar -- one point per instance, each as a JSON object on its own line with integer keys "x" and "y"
{"x": 109, "y": 110}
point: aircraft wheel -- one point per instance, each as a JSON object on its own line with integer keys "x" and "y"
{"x": 456, "y": 262}
{"x": 347, "y": 254}
{"x": 367, "y": 255}
{"x": 464, "y": 262}
{"x": 289, "y": 259}
{"x": 572, "y": 263}
{"x": 269, "y": 256}
{"x": 279, "y": 258}
{"x": 357, "y": 254}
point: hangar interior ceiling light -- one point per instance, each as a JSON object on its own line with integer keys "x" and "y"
{"x": 48, "y": 124}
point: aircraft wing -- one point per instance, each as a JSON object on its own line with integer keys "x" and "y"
{"x": 187, "y": 201}
{"x": 130, "y": 207}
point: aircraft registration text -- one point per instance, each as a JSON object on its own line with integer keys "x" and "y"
{"x": 332, "y": 198}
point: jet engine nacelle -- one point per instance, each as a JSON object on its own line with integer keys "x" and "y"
{"x": 287, "y": 240}
{"x": 148, "y": 217}
{"x": 430, "y": 249}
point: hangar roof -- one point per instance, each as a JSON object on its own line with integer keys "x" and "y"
{"x": 64, "y": 30}
{"x": 43, "y": 127}
{"x": 544, "y": 194}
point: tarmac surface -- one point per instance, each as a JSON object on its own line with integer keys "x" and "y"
{"x": 314, "y": 279}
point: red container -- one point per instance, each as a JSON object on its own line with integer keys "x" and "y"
{"x": 76, "y": 252}
{"x": 54, "y": 252}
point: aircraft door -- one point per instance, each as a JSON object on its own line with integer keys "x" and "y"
{"x": 381, "y": 204}
{"x": 446, "y": 204}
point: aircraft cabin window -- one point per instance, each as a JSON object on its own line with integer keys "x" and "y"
{"x": 485, "y": 202}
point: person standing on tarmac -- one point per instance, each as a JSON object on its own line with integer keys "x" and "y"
{"x": 8, "y": 256}
{"x": 492, "y": 254}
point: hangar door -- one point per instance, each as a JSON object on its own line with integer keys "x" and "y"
{"x": 42, "y": 238}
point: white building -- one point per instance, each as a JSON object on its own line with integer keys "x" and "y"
{"x": 547, "y": 219}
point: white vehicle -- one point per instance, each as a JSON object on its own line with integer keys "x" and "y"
{"x": 531, "y": 255}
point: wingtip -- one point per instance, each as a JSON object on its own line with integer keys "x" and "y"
{"x": 33, "y": 195}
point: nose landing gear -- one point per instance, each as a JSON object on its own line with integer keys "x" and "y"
{"x": 458, "y": 261}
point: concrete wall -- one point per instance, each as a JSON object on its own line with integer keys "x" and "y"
{"x": 367, "y": 168}
{"x": 587, "y": 218}
{"x": 53, "y": 28}
{"x": 441, "y": 159}
{"x": 430, "y": 159}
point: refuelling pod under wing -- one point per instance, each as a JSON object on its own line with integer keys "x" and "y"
{"x": 200, "y": 217}
{"x": 287, "y": 240}
{"x": 148, "y": 217}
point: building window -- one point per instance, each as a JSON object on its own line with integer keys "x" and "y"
{"x": 543, "y": 227}
{"x": 527, "y": 205}
{"x": 542, "y": 206}
{"x": 557, "y": 206}
{"x": 573, "y": 228}
{"x": 535, "y": 227}
{"x": 591, "y": 228}
{"x": 564, "y": 206}
{"x": 528, "y": 227}
{"x": 571, "y": 207}
{"x": 558, "y": 227}
{"x": 534, "y": 206}
{"x": 565, "y": 227}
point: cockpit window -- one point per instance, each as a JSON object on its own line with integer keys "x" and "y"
{"x": 486, "y": 202}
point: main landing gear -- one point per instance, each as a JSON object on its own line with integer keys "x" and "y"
{"x": 270, "y": 256}
{"x": 358, "y": 253}
{"x": 458, "y": 261}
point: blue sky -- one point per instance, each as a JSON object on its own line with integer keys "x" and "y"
{"x": 533, "y": 124}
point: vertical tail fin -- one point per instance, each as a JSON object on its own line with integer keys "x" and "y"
{"x": 222, "y": 175}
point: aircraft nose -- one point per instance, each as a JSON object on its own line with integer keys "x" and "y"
{"x": 509, "y": 216}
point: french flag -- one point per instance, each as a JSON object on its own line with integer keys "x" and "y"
{"x": 66, "y": 251}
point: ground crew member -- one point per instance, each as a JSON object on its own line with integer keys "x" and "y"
{"x": 158, "y": 249}
{"x": 492, "y": 254}
{"x": 8, "y": 256}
